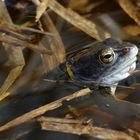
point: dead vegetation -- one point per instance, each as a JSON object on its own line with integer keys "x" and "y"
{"x": 53, "y": 28}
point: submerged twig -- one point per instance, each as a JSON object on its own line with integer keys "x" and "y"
{"x": 16, "y": 42}
{"x": 33, "y": 30}
{"x": 130, "y": 9}
{"x": 15, "y": 56}
{"x": 55, "y": 44}
{"x": 84, "y": 83}
{"x": 12, "y": 34}
{"x": 41, "y": 110}
{"x": 72, "y": 17}
{"x": 80, "y": 128}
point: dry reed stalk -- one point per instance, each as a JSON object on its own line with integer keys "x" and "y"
{"x": 81, "y": 128}
{"x": 43, "y": 109}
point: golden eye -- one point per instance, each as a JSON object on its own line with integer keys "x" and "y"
{"x": 107, "y": 56}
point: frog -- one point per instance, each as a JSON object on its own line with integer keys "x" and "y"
{"x": 103, "y": 63}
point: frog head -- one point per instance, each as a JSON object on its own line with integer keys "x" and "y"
{"x": 105, "y": 63}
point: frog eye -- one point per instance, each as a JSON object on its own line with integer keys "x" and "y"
{"x": 107, "y": 56}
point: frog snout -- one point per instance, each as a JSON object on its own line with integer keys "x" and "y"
{"x": 134, "y": 51}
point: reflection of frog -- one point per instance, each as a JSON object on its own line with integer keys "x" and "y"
{"x": 105, "y": 62}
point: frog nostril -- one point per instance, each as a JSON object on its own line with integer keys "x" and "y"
{"x": 126, "y": 50}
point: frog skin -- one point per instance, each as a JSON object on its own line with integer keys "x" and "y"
{"x": 105, "y": 63}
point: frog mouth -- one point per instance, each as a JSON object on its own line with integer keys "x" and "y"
{"x": 130, "y": 66}
{"x": 116, "y": 76}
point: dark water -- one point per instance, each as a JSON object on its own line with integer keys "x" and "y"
{"x": 98, "y": 106}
